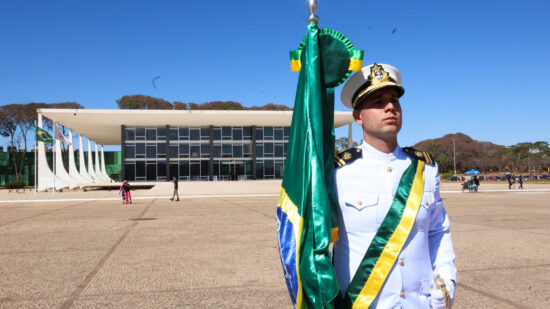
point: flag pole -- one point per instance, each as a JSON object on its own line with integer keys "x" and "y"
{"x": 312, "y": 10}
{"x": 35, "y": 161}
{"x": 53, "y": 152}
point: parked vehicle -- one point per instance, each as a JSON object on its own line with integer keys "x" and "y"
{"x": 454, "y": 178}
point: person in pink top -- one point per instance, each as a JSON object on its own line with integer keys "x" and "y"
{"x": 126, "y": 189}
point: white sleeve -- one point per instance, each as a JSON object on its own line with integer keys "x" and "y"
{"x": 441, "y": 244}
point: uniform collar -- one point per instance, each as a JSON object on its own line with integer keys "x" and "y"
{"x": 373, "y": 153}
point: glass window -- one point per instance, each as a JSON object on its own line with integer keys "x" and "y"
{"x": 248, "y": 167}
{"x": 204, "y": 168}
{"x": 151, "y": 134}
{"x": 173, "y": 134}
{"x": 151, "y": 151}
{"x": 130, "y": 171}
{"x": 217, "y": 134}
{"x": 286, "y": 132}
{"x": 184, "y": 150}
{"x": 205, "y": 150}
{"x": 247, "y": 148}
{"x": 279, "y": 169}
{"x": 278, "y": 150}
{"x": 184, "y": 168}
{"x": 226, "y": 150}
{"x": 278, "y": 132}
{"x": 151, "y": 171}
{"x": 237, "y": 151}
{"x": 269, "y": 167}
{"x": 247, "y": 133}
{"x": 205, "y": 134}
{"x": 130, "y": 151}
{"x": 194, "y": 134}
{"x": 195, "y": 169}
{"x": 217, "y": 150}
{"x": 161, "y": 133}
{"x": 237, "y": 134}
{"x": 216, "y": 168}
{"x": 226, "y": 133}
{"x": 130, "y": 134}
{"x": 140, "y": 150}
{"x": 259, "y": 169}
{"x": 173, "y": 170}
{"x": 268, "y": 133}
{"x": 259, "y": 134}
{"x": 161, "y": 170}
{"x": 259, "y": 150}
{"x": 268, "y": 149}
{"x": 173, "y": 151}
{"x": 184, "y": 134}
{"x": 224, "y": 168}
{"x": 140, "y": 134}
{"x": 140, "y": 169}
{"x": 161, "y": 150}
{"x": 195, "y": 151}
{"x": 285, "y": 146}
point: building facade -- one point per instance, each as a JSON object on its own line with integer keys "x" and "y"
{"x": 203, "y": 153}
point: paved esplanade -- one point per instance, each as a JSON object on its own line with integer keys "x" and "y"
{"x": 221, "y": 252}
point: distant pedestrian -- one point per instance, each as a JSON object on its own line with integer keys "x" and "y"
{"x": 127, "y": 188}
{"x": 520, "y": 182}
{"x": 175, "y": 190}
{"x": 121, "y": 191}
{"x": 509, "y": 182}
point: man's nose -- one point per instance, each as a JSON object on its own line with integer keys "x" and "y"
{"x": 390, "y": 106}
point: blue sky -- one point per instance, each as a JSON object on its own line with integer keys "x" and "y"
{"x": 477, "y": 67}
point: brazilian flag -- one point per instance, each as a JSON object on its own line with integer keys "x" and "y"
{"x": 306, "y": 211}
{"x": 43, "y": 136}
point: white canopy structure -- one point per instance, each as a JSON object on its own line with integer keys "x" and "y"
{"x": 103, "y": 127}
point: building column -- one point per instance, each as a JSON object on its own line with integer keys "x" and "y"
{"x": 123, "y": 152}
{"x": 211, "y": 161}
{"x": 168, "y": 153}
{"x": 253, "y": 128}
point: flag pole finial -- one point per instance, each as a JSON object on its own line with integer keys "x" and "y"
{"x": 312, "y": 9}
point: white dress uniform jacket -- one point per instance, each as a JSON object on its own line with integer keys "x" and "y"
{"x": 366, "y": 188}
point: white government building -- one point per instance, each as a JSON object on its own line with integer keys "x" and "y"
{"x": 157, "y": 145}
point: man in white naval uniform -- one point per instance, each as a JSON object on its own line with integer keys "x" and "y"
{"x": 367, "y": 181}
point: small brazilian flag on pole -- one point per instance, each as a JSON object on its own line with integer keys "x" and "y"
{"x": 43, "y": 136}
{"x": 306, "y": 212}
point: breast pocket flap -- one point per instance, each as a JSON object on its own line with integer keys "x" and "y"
{"x": 361, "y": 201}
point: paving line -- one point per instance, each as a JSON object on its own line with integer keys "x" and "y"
{"x": 492, "y": 296}
{"x": 80, "y": 288}
{"x": 136, "y": 198}
{"x": 487, "y": 191}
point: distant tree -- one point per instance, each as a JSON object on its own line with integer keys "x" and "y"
{"x": 180, "y": 105}
{"x": 271, "y": 107}
{"x": 10, "y": 116}
{"x": 444, "y": 161}
{"x": 341, "y": 144}
{"x": 218, "y": 105}
{"x": 140, "y": 101}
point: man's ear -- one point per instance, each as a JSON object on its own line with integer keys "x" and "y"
{"x": 357, "y": 116}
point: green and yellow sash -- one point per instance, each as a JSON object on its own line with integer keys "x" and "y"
{"x": 389, "y": 240}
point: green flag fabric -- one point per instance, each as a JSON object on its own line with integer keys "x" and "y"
{"x": 43, "y": 136}
{"x": 306, "y": 212}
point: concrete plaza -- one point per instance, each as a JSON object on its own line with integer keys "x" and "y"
{"x": 220, "y": 251}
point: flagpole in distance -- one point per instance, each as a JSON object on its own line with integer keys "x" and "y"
{"x": 312, "y": 9}
{"x": 35, "y": 161}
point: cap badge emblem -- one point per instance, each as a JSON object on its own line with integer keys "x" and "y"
{"x": 346, "y": 156}
{"x": 378, "y": 75}
{"x": 419, "y": 154}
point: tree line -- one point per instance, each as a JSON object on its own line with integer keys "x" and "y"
{"x": 17, "y": 122}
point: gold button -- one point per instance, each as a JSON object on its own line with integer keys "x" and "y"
{"x": 401, "y": 262}
{"x": 392, "y": 197}
{"x": 389, "y": 169}
{"x": 402, "y": 294}
{"x": 427, "y": 203}
{"x": 359, "y": 203}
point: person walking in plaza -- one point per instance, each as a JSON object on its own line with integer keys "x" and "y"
{"x": 127, "y": 188}
{"x": 394, "y": 247}
{"x": 520, "y": 182}
{"x": 121, "y": 192}
{"x": 175, "y": 190}
{"x": 509, "y": 182}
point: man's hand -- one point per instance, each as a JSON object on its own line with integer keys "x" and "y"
{"x": 439, "y": 298}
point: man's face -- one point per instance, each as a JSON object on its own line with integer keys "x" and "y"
{"x": 380, "y": 115}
